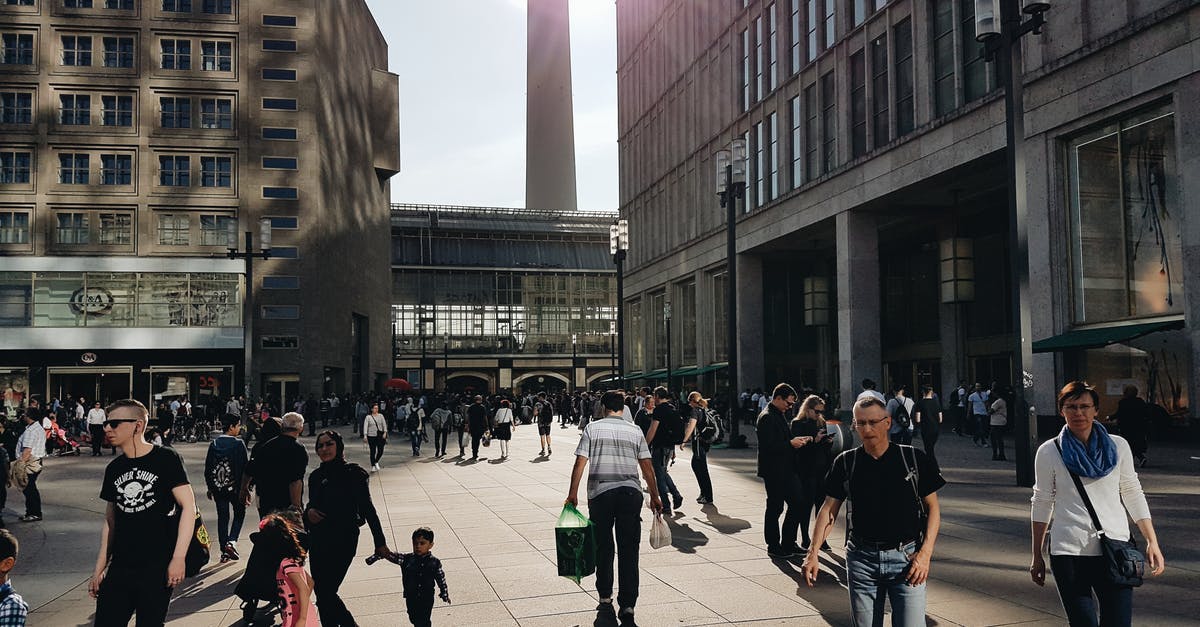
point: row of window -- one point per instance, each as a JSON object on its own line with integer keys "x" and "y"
{"x": 207, "y": 7}
{"x": 16, "y": 167}
{"x": 174, "y": 112}
{"x": 115, "y": 227}
{"x": 120, "y": 52}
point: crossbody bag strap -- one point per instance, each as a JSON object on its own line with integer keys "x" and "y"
{"x": 1082, "y": 493}
{"x": 849, "y": 468}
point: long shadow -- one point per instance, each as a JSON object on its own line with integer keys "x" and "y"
{"x": 831, "y": 600}
{"x": 722, "y": 523}
{"x": 498, "y": 460}
{"x": 684, "y": 538}
{"x": 605, "y": 619}
{"x": 539, "y": 460}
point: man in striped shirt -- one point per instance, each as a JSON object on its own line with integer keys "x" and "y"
{"x": 616, "y": 450}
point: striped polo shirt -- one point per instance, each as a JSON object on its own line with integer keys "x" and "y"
{"x": 612, "y": 448}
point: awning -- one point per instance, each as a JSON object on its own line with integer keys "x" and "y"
{"x": 657, "y": 374}
{"x": 709, "y": 368}
{"x": 633, "y": 375}
{"x": 1095, "y": 338}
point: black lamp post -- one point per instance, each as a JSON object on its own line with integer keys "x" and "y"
{"x": 1000, "y": 25}
{"x": 618, "y": 247}
{"x": 248, "y": 254}
{"x": 519, "y": 336}
{"x": 574, "y": 356}
{"x": 446, "y": 359}
{"x": 667, "y": 320}
{"x": 731, "y": 185}
{"x": 612, "y": 349}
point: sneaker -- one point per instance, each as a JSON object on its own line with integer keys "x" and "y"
{"x": 606, "y": 606}
{"x": 703, "y": 500}
{"x": 778, "y": 552}
{"x": 625, "y": 615}
{"x": 678, "y": 501}
{"x": 231, "y": 551}
{"x": 542, "y": 453}
{"x": 549, "y": 451}
{"x": 31, "y": 518}
{"x": 825, "y": 546}
{"x": 225, "y": 557}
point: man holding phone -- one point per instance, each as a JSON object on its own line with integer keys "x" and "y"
{"x": 777, "y": 467}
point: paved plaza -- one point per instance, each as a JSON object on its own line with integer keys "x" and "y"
{"x": 494, "y": 522}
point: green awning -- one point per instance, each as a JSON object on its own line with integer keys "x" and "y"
{"x": 657, "y": 374}
{"x": 684, "y": 372}
{"x": 633, "y": 375}
{"x": 1077, "y": 339}
{"x": 709, "y": 368}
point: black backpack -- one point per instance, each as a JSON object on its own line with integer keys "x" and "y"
{"x": 708, "y": 426}
{"x": 219, "y": 475}
{"x": 901, "y": 415}
{"x": 670, "y": 428}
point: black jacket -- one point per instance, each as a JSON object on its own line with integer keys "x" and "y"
{"x": 776, "y": 457}
{"x": 341, "y": 492}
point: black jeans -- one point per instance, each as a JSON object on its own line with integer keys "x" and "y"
{"x": 1076, "y": 578}
{"x": 812, "y": 496}
{"x": 475, "y": 439}
{"x": 440, "y": 436}
{"x": 461, "y": 449}
{"x": 929, "y": 438}
{"x": 97, "y": 433}
{"x": 997, "y": 432}
{"x": 700, "y": 468}
{"x": 330, "y": 560}
{"x": 375, "y": 444}
{"x": 783, "y": 490}
{"x": 419, "y": 610}
{"x": 33, "y": 498}
{"x": 618, "y": 509}
{"x": 126, "y": 592}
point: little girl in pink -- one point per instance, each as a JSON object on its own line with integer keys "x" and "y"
{"x": 294, "y": 583}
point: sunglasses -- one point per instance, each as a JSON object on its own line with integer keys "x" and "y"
{"x": 112, "y": 424}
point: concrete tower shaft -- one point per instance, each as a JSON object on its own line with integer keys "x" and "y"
{"x": 550, "y": 125}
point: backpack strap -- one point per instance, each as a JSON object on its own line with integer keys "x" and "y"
{"x": 848, "y": 467}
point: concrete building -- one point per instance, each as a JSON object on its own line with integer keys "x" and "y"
{"x": 140, "y": 140}
{"x": 873, "y": 240}
{"x": 487, "y": 299}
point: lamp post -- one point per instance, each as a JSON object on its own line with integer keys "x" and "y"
{"x": 519, "y": 336}
{"x": 574, "y": 354}
{"x": 446, "y": 359}
{"x": 618, "y": 247}
{"x": 1002, "y": 45}
{"x": 667, "y": 320}
{"x": 612, "y": 349}
{"x": 731, "y": 185}
{"x": 248, "y": 254}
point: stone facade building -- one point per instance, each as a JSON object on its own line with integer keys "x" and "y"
{"x": 137, "y": 138}
{"x": 873, "y": 239}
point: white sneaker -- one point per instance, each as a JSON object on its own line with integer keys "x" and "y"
{"x": 375, "y": 468}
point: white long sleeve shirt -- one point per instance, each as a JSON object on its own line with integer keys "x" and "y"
{"x": 1056, "y": 501}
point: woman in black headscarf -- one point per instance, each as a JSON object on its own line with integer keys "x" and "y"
{"x": 339, "y": 503}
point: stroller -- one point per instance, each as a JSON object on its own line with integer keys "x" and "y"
{"x": 58, "y": 440}
{"x": 258, "y": 581}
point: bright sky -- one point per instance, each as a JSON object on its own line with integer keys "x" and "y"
{"x": 462, "y": 100}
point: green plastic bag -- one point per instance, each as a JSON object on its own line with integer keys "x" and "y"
{"x": 575, "y": 539}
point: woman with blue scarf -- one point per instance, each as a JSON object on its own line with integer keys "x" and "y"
{"x": 1105, "y": 465}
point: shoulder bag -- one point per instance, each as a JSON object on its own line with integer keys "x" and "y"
{"x": 1126, "y": 564}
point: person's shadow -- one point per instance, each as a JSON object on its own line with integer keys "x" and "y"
{"x": 684, "y": 538}
{"x": 540, "y": 459}
{"x": 722, "y": 523}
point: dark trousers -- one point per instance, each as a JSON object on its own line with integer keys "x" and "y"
{"x": 783, "y": 490}
{"x": 1076, "y": 578}
{"x": 980, "y": 422}
{"x": 228, "y": 531}
{"x": 128, "y": 592}
{"x": 420, "y": 607}
{"x": 929, "y": 438}
{"x": 33, "y": 498}
{"x": 440, "y": 436}
{"x": 461, "y": 449}
{"x": 617, "y": 510}
{"x": 475, "y": 439}
{"x": 330, "y": 559}
{"x": 97, "y": 433}
{"x": 660, "y": 457}
{"x": 700, "y": 468}
{"x": 416, "y": 442}
{"x": 812, "y": 496}
{"x": 375, "y": 444}
{"x": 997, "y": 432}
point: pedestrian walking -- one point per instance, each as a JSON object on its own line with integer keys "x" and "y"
{"x": 901, "y": 408}
{"x": 503, "y": 426}
{"x": 458, "y": 423}
{"x": 701, "y": 441}
{"x": 812, "y": 461}
{"x": 978, "y": 401}
{"x": 276, "y": 468}
{"x": 374, "y": 430}
{"x": 1133, "y": 421}
{"x": 293, "y": 583}
{"x": 928, "y": 418}
{"x": 892, "y": 521}
{"x": 148, "y": 523}
{"x": 544, "y": 413}
{"x": 777, "y": 468}
{"x": 95, "y": 422}
{"x": 339, "y": 503}
{"x": 477, "y": 423}
{"x": 223, "y": 468}
{"x": 441, "y": 421}
{"x": 31, "y": 450}
{"x": 667, "y": 430}
{"x": 1086, "y": 483}
{"x": 416, "y": 429}
{"x": 421, "y": 571}
{"x": 616, "y": 450}
{"x": 998, "y": 422}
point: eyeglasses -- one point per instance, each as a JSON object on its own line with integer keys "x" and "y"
{"x": 1077, "y": 407}
{"x": 112, "y": 424}
{"x": 861, "y": 424}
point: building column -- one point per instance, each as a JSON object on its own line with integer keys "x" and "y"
{"x": 859, "y": 353}
{"x": 750, "y": 324}
{"x": 951, "y": 333}
{"x": 1187, "y": 146}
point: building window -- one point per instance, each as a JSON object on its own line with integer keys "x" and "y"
{"x": 975, "y": 69}
{"x": 796, "y": 42}
{"x": 289, "y": 223}
{"x": 19, "y": 3}
{"x": 720, "y": 306}
{"x": 943, "y": 57}
{"x": 177, "y": 6}
{"x": 16, "y": 107}
{"x": 174, "y": 170}
{"x": 880, "y": 99}
{"x": 216, "y": 171}
{"x": 772, "y": 49}
{"x": 280, "y": 341}
{"x": 214, "y": 230}
{"x": 15, "y": 167}
{"x": 812, "y": 144}
{"x": 174, "y": 229}
{"x": 902, "y": 39}
{"x": 829, "y": 121}
{"x": 285, "y": 252}
{"x": 279, "y": 104}
{"x": 279, "y": 163}
{"x": 216, "y": 113}
{"x": 176, "y": 54}
{"x": 278, "y": 74}
{"x": 830, "y": 23}
{"x": 216, "y": 56}
{"x": 217, "y": 7}
{"x": 745, "y": 70}
{"x": 773, "y": 156}
{"x": 281, "y": 312}
{"x": 858, "y": 104}
{"x": 1127, "y": 220}
{"x": 281, "y": 282}
{"x": 272, "y": 132}
{"x": 116, "y": 229}
{"x": 279, "y": 20}
{"x": 760, "y": 163}
{"x": 797, "y": 172}
{"x": 118, "y": 110}
{"x": 77, "y": 4}
{"x": 279, "y": 45}
{"x": 17, "y": 49}
{"x": 72, "y": 228}
{"x": 119, "y": 5}
{"x": 118, "y": 52}
{"x": 175, "y": 112}
{"x": 73, "y": 168}
{"x": 283, "y": 193}
{"x": 14, "y": 227}
{"x": 77, "y": 50}
{"x": 116, "y": 169}
{"x": 74, "y": 109}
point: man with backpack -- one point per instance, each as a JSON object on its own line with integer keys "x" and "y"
{"x": 223, "y": 466}
{"x": 667, "y": 430}
{"x": 892, "y": 520}
{"x": 900, "y": 408}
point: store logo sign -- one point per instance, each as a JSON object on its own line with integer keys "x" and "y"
{"x": 95, "y": 301}
{"x": 88, "y": 358}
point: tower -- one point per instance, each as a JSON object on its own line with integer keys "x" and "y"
{"x": 550, "y": 126}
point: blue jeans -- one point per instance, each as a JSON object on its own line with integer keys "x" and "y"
{"x": 1076, "y": 577}
{"x": 227, "y": 531}
{"x": 661, "y": 459}
{"x": 873, "y": 574}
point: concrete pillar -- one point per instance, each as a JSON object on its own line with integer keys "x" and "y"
{"x": 1187, "y": 146}
{"x": 505, "y": 379}
{"x": 859, "y": 353}
{"x": 950, "y": 328}
{"x": 750, "y": 324}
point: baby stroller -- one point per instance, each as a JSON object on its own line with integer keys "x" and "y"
{"x": 258, "y": 581}
{"x": 60, "y": 442}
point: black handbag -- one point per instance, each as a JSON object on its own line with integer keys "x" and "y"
{"x": 1126, "y": 563}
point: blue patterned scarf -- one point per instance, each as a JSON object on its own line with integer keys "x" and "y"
{"x": 1095, "y": 459}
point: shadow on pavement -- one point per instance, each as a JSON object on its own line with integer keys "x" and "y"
{"x": 539, "y": 460}
{"x": 684, "y": 538}
{"x": 832, "y": 601}
{"x": 722, "y": 523}
{"x": 498, "y": 460}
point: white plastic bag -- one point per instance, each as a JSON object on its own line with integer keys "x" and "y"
{"x": 660, "y": 533}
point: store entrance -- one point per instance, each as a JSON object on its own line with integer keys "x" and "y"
{"x": 95, "y": 384}
{"x": 281, "y": 391}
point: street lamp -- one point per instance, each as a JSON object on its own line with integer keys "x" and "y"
{"x": 731, "y": 185}
{"x": 618, "y": 247}
{"x": 574, "y": 353}
{"x": 248, "y": 254}
{"x": 612, "y": 350}
{"x": 1002, "y": 46}
{"x": 667, "y": 319}
{"x": 519, "y": 336}
{"x": 446, "y": 357}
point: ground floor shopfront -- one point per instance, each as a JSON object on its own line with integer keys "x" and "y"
{"x": 516, "y": 373}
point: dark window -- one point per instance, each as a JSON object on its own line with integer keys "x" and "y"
{"x": 19, "y": 3}
{"x": 858, "y": 104}
{"x": 15, "y": 168}
{"x": 285, "y": 252}
{"x": 797, "y": 146}
{"x": 278, "y": 74}
{"x": 279, "y": 163}
{"x": 284, "y": 222}
{"x": 73, "y": 168}
{"x": 272, "y": 132}
{"x": 16, "y": 108}
{"x": 829, "y": 122}
{"x": 814, "y": 35}
{"x": 943, "y": 57}
{"x": 745, "y": 70}
{"x": 176, "y": 54}
{"x": 175, "y": 112}
{"x": 17, "y": 49}
{"x": 280, "y": 341}
{"x": 77, "y": 4}
{"x": 279, "y": 104}
{"x": 880, "y": 99}
{"x": 281, "y": 312}
{"x": 216, "y": 56}
{"x": 796, "y": 41}
{"x": 281, "y": 283}
{"x": 279, "y": 45}
{"x": 77, "y": 50}
{"x": 174, "y": 170}
{"x": 120, "y": 5}
{"x": 216, "y": 171}
{"x": 279, "y": 20}
{"x": 902, "y": 39}
{"x": 218, "y": 7}
{"x": 811, "y": 133}
{"x": 975, "y": 69}
{"x": 118, "y": 110}
{"x": 177, "y": 6}
{"x": 75, "y": 109}
{"x": 116, "y": 169}
{"x": 118, "y": 52}
{"x": 216, "y": 113}
{"x": 284, "y": 193}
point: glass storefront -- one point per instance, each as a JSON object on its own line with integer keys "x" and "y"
{"x": 14, "y": 384}
{"x": 203, "y": 386}
{"x": 1159, "y": 365}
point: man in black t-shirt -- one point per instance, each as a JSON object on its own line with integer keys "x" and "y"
{"x": 893, "y": 520}
{"x": 544, "y": 410}
{"x": 144, "y": 542}
{"x": 477, "y": 424}
{"x": 277, "y": 469}
{"x": 667, "y": 430}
